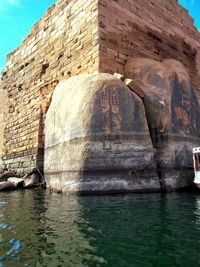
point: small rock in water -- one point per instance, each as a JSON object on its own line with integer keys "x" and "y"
{"x": 6, "y": 186}
{"x": 4, "y": 176}
{"x": 18, "y": 182}
{"x": 31, "y": 180}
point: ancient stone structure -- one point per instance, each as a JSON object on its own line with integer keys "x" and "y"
{"x": 101, "y": 127}
{"x": 154, "y": 43}
{"x": 157, "y": 29}
{"x": 108, "y": 140}
{"x": 62, "y": 44}
{"x": 3, "y": 113}
{"x": 172, "y": 112}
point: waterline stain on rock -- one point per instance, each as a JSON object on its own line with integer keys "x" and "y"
{"x": 76, "y": 38}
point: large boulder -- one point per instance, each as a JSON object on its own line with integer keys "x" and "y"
{"x": 4, "y": 176}
{"x": 18, "y": 182}
{"x": 97, "y": 138}
{"x": 7, "y": 186}
{"x": 173, "y": 117}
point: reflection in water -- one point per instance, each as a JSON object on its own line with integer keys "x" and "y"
{"x": 39, "y": 229}
{"x": 197, "y": 212}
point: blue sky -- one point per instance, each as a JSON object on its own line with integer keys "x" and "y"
{"x": 193, "y": 7}
{"x": 16, "y": 19}
{"x": 18, "y": 16}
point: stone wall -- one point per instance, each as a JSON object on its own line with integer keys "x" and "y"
{"x": 86, "y": 36}
{"x": 62, "y": 44}
{"x": 3, "y": 113}
{"x": 158, "y": 29}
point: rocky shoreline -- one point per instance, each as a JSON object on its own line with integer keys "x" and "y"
{"x": 11, "y": 181}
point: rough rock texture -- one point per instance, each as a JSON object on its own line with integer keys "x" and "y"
{"x": 95, "y": 36}
{"x": 61, "y": 44}
{"x": 3, "y": 113}
{"x": 86, "y": 36}
{"x": 97, "y": 138}
{"x": 4, "y": 176}
{"x": 173, "y": 116}
{"x": 18, "y": 182}
{"x": 31, "y": 180}
{"x": 7, "y": 186}
{"x": 100, "y": 136}
{"x": 158, "y": 29}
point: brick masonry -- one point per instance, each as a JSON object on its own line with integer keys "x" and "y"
{"x": 85, "y": 36}
{"x": 156, "y": 29}
{"x": 63, "y": 43}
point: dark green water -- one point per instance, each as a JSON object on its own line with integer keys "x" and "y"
{"x": 39, "y": 229}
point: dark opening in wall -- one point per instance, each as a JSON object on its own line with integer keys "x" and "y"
{"x": 154, "y": 36}
{"x": 44, "y": 68}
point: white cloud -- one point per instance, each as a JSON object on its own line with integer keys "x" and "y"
{"x": 5, "y": 4}
{"x": 13, "y": 2}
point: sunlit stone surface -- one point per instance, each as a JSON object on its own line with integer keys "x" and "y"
{"x": 3, "y": 111}
{"x": 97, "y": 138}
{"x": 173, "y": 116}
{"x": 102, "y": 137}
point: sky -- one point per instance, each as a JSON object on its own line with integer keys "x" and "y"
{"x": 193, "y": 6}
{"x": 16, "y": 19}
{"x": 18, "y": 16}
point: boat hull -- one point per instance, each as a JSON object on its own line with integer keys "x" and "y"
{"x": 197, "y": 185}
{"x": 197, "y": 179}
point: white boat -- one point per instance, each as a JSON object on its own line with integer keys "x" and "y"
{"x": 196, "y": 162}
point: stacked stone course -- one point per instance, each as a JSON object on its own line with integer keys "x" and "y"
{"x": 86, "y": 36}
{"x": 63, "y": 43}
{"x": 157, "y": 29}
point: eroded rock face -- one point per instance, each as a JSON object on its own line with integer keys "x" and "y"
{"x": 97, "y": 138}
{"x": 31, "y": 180}
{"x": 173, "y": 114}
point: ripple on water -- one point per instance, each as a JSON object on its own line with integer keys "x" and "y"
{"x": 4, "y": 226}
{"x": 111, "y": 231}
{"x": 9, "y": 250}
{"x": 3, "y": 202}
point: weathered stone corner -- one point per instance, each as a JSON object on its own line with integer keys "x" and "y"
{"x": 102, "y": 137}
{"x": 159, "y": 64}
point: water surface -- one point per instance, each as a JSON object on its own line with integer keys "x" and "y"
{"x": 42, "y": 229}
